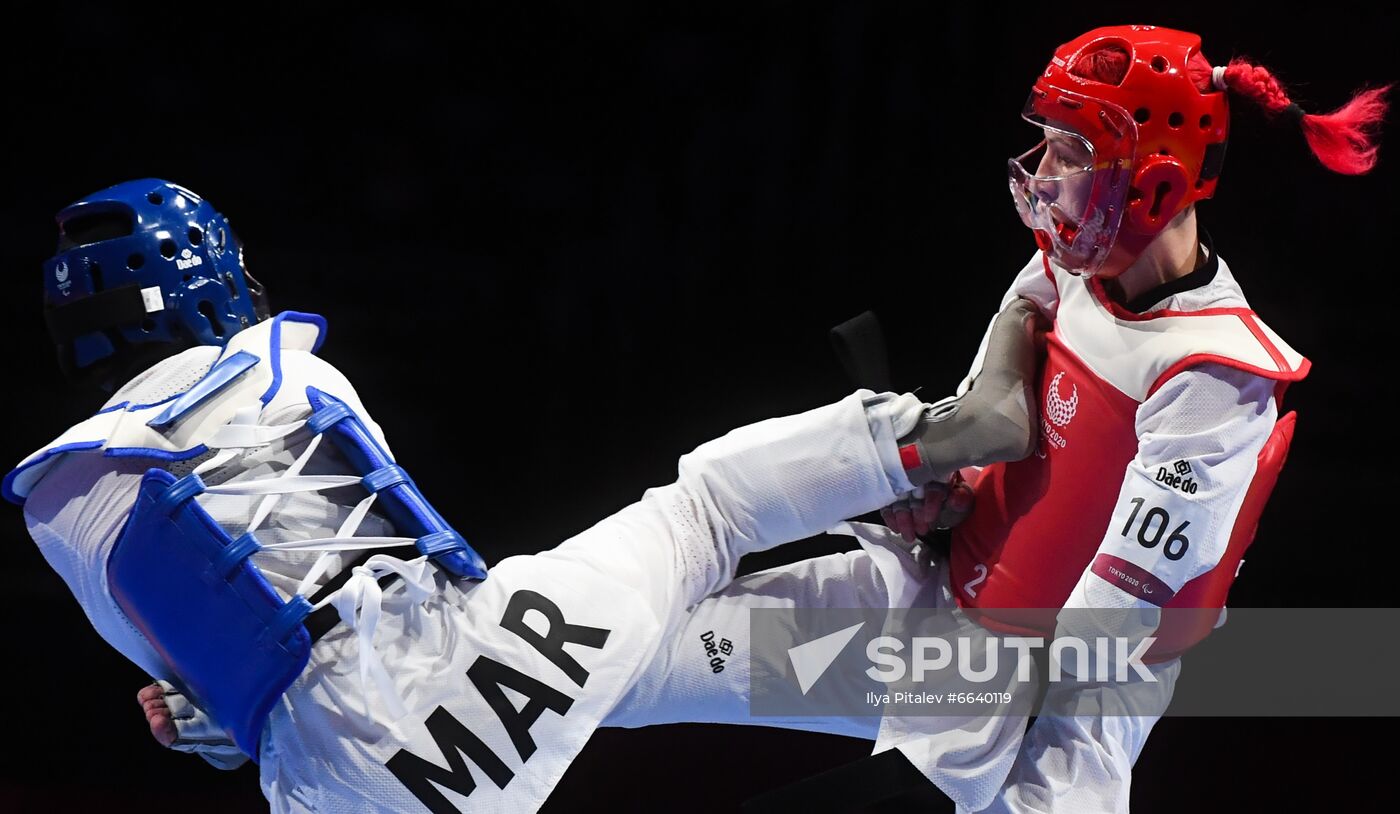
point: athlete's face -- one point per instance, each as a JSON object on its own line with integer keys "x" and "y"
{"x": 1052, "y": 185}
{"x": 1063, "y": 176}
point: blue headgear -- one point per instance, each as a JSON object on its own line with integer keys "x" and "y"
{"x": 145, "y": 262}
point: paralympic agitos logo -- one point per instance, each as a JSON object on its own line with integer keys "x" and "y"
{"x": 1059, "y": 411}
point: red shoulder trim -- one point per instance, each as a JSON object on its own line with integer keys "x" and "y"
{"x": 1194, "y": 359}
{"x": 1252, "y": 323}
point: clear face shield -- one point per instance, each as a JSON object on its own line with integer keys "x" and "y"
{"x": 1071, "y": 187}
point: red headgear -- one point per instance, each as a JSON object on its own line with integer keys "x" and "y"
{"x": 1118, "y": 161}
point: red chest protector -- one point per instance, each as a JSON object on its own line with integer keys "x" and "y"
{"x": 1037, "y": 523}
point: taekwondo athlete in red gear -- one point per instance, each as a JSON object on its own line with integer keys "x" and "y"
{"x": 1160, "y": 435}
{"x": 234, "y": 522}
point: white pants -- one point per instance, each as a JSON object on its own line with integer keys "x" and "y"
{"x": 1061, "y": 764}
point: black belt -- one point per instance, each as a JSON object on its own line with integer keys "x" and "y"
{"x": 321, "y": 621}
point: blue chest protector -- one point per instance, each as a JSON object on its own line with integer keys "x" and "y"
{"x": 193, "y": 591}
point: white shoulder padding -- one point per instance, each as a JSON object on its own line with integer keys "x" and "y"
{"x": 1137, "y": 352}
{"x": 247, "y": 373}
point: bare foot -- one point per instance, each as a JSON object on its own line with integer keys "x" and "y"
{"x": 152, "y": 701}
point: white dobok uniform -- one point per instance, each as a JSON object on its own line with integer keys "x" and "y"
{"x": 442, "y": 694}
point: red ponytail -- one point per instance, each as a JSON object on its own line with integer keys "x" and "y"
{"x": 1343, "y": 140}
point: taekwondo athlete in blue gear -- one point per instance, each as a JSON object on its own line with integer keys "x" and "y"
{"x": 238, "y": 483}
{"x": 148, "y": 264}
{"x": 144, "y": 268}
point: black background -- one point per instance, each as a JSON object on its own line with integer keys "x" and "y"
{"x": 559, "y": 247}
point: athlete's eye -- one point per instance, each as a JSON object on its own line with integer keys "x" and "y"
{"x": 1068, "y": 156}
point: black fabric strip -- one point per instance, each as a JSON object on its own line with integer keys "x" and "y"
{"x": 320, "y": 622}
{"x": 96, "y": 312}
{"x": 859, "y": 343}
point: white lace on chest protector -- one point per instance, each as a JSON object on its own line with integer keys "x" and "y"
{"x": 204, "y": 410}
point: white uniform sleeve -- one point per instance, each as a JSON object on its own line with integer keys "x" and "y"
{"x": 1199, "y": 438}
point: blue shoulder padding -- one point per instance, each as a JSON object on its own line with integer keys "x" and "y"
{"x": 212, "y": 616}
{"x": 219, "y": 377}
{"x": 305, "y": 317}
{"x": 293, "y": 316}
{"x": 410, "y": 512}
